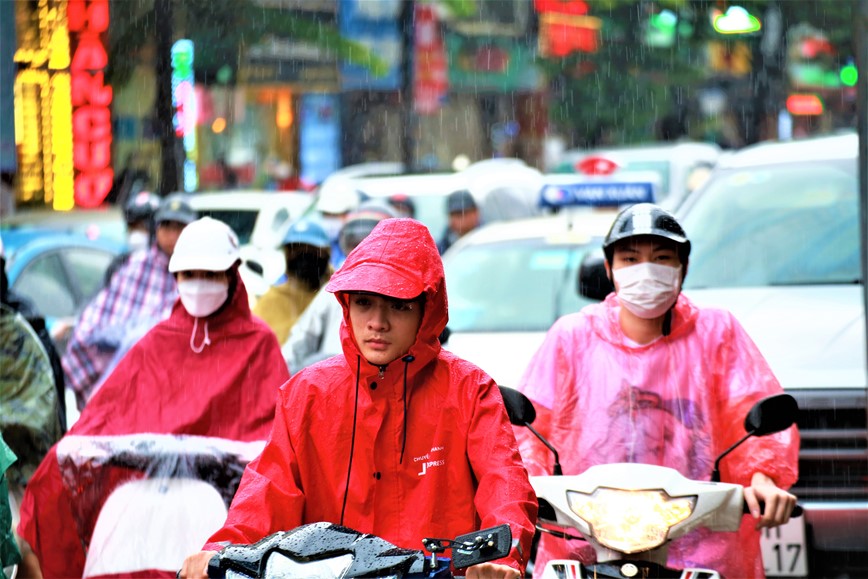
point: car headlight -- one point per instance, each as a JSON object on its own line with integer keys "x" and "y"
{"x": 630, "y": 521}
{"x": 280, "y": 566}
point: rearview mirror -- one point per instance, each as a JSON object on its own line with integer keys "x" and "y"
{"x": 518, "y": 407}
{"x": 521, "y": 412}
{"x": 593, "y": 283}
{"x": 772, "y": 414}
{"x": 254, "y": 266}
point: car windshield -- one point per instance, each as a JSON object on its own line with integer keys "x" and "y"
{"x": 512, "y": 286}
{"x": 776, "y": 225}
{"x": 240, "y": 220}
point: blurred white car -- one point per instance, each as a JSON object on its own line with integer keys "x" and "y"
{"x": 508, "y": 282}
{"x": 503, "y": 188}
{"x": 776, "y": 240}
{"x": 261, "y": 220}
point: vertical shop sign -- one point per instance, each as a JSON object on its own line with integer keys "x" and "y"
{"x": 319, "y": 138}
{"x": 374, "y": 25}
{"x": 8, "y": 161}
{"x": 88, "y": 22}
{"x": 565, "y": 28}
{"x": 185, "y": 107}
{"x": 431, "y": 80}
{"x": 43, "y": 116}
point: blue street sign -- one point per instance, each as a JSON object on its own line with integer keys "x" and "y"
{"x": 596, "y": 193}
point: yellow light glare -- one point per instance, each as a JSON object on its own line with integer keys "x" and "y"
{"x": 284, "y": 117}
{"x": 219, "y": 125}
{"x": 62, "y": 169}
{"x": 630, "y": 521}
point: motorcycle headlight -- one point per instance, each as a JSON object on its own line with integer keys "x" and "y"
{"x": 630, "y": 521}
{"x": 280, "y": 566}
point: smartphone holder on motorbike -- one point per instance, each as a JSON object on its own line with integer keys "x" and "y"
{"x": 473, "y": 548}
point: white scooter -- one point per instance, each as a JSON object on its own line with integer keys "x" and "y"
{"x": 150, "y": 499}
{"x": 629, "y": 513}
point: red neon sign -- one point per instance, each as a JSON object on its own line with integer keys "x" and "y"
{"x": 596, "y": 165}
{"x": 804, "y": 105}
{"x": 88, "y": 20}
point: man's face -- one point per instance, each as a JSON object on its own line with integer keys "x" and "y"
{"x": 384, "y": 327}
{"x": 167, "y": 235}
{"x": 643, "y": 249}
{"x": 462, "y": 222}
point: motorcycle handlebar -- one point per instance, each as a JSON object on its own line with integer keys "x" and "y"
{"x": 798, "y": 511}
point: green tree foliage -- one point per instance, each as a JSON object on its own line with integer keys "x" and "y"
{"x": 621, "y": 93}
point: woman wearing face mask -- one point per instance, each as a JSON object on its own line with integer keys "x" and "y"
{"x": 211, "y": 369}
{"x": 646, "y": 376}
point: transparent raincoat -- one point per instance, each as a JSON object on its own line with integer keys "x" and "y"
{"x": 678, "y": 402}
{"x": 146, "y": 474}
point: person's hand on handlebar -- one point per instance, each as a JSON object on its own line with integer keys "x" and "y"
{"x": 492, "y": 571}
{"x": 778, "y": 502}
{"x": 196, "y": 566}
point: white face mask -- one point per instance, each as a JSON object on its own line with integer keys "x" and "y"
{"x": 648, "y": 290}
{"x": 138, "y": 240}
{"x": 202, "y": 297}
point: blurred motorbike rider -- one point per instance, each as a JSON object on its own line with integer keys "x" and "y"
{"x": 211, "y": 369}
{"x": 316, "y": 335}
{"x": 395, "y": 437}
{"x": 337, "y": 198}
{"x": 306, "y": 250}
{"x": 140, "y": 294}
{"x": 646, "y": 376}
{"x": 139, "y": 217}
{"x": 36, "y": 321}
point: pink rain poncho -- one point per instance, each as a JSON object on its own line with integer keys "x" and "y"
{"x": 678, "y": 401}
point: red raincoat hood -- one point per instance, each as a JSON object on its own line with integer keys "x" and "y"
{"x": 398, "y": 259}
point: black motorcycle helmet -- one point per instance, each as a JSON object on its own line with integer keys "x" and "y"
{"x": 646, "y": 219}
{"x": 141, "y": 208}
{"x": 176, "y": 207}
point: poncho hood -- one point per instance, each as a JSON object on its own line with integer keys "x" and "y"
{"x": 604, "y": 321}
{"x": 398, "y": 259}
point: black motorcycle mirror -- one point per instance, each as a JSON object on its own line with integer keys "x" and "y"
{"x": 254, "y": 266}
{"x": 769, "y": 415}
{"x": 521, "y": 413}
{"x": 593, "y": 283}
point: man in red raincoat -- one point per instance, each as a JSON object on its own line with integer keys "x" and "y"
{"x": 210, "y": 370}
{"x": 396, "y": 437}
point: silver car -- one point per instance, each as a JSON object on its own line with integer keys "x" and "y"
{"x": 776, "y": 241}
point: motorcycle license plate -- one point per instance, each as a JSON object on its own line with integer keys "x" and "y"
{"x": 784, "y": 550}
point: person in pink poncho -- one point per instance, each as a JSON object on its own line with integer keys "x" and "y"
{"x": 646, "y": 376}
